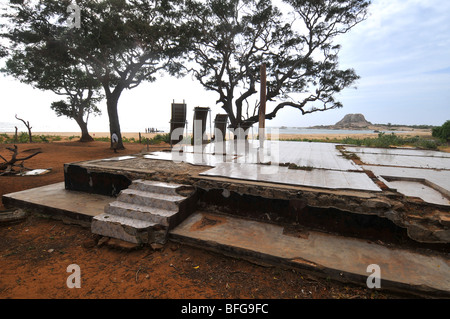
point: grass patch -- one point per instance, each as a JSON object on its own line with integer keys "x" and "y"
{"x": 102, "y": 139}
{"x": 158, "y": 138}
{"x": 383, "y": 140}
{"x": 144, "y": 140}
{"x": 24, "y": 138}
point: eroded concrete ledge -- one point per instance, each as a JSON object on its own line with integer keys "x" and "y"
{"x": 425, "y": 223}
{"x": 344, "y": 259}
{"x": 55, "y": 201}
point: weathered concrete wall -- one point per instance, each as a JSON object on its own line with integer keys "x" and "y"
{"x": 424, "y": 222}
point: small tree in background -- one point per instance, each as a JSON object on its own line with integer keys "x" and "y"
{"x": 39, "y": 68}
{"x": 79, "y": 110}
{"x": 442, "y": 132}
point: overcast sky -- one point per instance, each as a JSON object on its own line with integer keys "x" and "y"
{"x": 401, "y": 52}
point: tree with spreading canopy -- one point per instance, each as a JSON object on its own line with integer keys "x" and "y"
{"x": 296, "y": 42}
{"x": 118, "y": 44}
{"x": 43, "y": 68}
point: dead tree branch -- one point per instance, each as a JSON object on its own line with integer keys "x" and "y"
{"x": 8, "y": 166}
{"x": 27, "y": 124}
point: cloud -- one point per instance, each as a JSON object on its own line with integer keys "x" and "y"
{"x": 398, "y": 34}
{"x": 402, "y": 53}
{"x": 440, "y": 71}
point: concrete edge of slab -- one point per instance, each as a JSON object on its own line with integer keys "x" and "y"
{"x": 263, "y": 258}
{"x": 55, "y": 201}
{"x": 53, "y": 212}
{"x": 308, "y": 267}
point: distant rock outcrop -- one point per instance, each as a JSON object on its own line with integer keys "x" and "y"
{"x": 353, "y": 120}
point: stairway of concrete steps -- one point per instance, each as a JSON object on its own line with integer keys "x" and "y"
{"x": 145, "y": 212}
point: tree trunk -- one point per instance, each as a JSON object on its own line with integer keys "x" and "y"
{"x": 29, "y": 133}
{"x": 85, "y": 136}
{"x": 114, "y": 126}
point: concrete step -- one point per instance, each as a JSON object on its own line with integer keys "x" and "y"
{"x": 128, "y": 229}
{"x": 145, "y": 213}
{"x": 143, "y": 198}
{"x": 158, "y": 187}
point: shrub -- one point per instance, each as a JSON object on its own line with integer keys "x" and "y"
{"x": 426, "y": 144}
{"x": 23, "y": 138}
{"x": 160, "y": 138}
{"x": 442, "y": 132}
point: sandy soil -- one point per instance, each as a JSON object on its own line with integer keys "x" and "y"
{"x": 96, "y": 134}
{"x": 35, "y": 254}
{"x": 340, "y": 136}
{"x": 135, "y": 135}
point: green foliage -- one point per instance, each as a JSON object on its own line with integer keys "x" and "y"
{"x": 235, "y": 37}
{"x": 23, "y": 137}
{"x": 154, "y": 140}
{"x": 119, "y": 44}
{"x": 387, "y": 140}
{"x": 442, "y": 132}
{"x": 102, "y": 139}
{"x": 77, "y": 106}
{"x": 382, "y": 141}
{"x": 159, "y": 138}
{"x": 129, "y": 140}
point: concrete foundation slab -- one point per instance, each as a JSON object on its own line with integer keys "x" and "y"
{"x": 419, "y": 189}
{"x": 54, "y": 199}
{"x": 342, "y": 258}
{"x": 204, "y": 159}
{"x": 397, "y": 151}
{"x": 318, "y": 155}
{"x": 119, "y": 158}
{"x": 436, "y": 179}
{"x": 405, "y": 161}
{"x": 319, "y": 178}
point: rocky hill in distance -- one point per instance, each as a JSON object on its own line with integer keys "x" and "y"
{"x": 358, "y": 122}
{"x": 353, "y": 121}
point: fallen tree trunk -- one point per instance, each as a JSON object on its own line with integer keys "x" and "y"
{"x": 8, "y": 166}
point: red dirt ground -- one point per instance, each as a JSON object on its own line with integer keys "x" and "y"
{"x": 35, "y": 254}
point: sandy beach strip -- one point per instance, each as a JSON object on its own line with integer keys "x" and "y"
{"x": 330, "y": 136}
{"x": 353, "y": 135}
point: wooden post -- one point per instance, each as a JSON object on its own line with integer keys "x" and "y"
{"x": 262, "y": 106}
